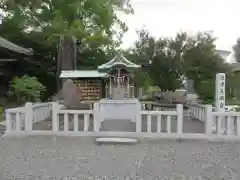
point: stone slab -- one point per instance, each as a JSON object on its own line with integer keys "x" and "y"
{"x": 116, "y": 140}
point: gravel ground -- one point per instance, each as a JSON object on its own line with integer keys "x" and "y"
{"x": 50, "y": 158}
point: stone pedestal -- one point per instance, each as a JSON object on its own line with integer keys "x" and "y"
{"x": 119, "y": 115}
{"x": 127, "y": 109}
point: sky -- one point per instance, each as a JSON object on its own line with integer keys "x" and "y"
{"x": 167, "y": 17}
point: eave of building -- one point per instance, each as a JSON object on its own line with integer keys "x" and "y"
{"x": 82, "y": 74}
{"x": 235, "y": 66}
{"x": 8, "y": 60}
{"x": 13, "y": 47}
{"x": 223, "y": 51}
{"x": 118, "y": 60}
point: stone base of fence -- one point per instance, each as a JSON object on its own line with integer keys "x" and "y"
{"x": 139, "y": 136}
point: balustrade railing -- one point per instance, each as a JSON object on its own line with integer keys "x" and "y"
{"x": 147, "y": 123}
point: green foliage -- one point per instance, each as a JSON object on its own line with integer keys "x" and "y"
{"x": 200, "y": 58}
{"x": 27, "y": 88}
{"x": 165, "y": 67}
{"x": 38, "y": 24}
{"x": 236, "y": 49}
{"x": 202, "y": 63}
{"x": 206, "y": 90}
{"x": 152, "y": 90}
{"x": 142, "y": 79}
{"x": 1, "y": 110}
{"x": 233, "y": 84}
{"x": 173, "y": 60}
{"x": 164, "y": 72}
{"x": 233, "y": 80}
{"x": 1, "y": 113}
{"x": 150, "y": 93}
{"x": 89, "y": 21}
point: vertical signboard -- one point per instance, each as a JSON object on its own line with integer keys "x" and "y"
{"x": 220, "y": 92}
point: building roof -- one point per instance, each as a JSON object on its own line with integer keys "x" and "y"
{"x": 118, "y": 60}
{"x": 223, "y": 51}
{"x": 13, "y": 47}
{"x": 82, "y": 74}
{"x": 8, "y": 60}
{"x": 224, "y": 54}
{"x": 235, "y": 66}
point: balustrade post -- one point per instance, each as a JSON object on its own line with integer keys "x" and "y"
{"x": 208, "y": 120}
{"x": 138, "y": 118}
{"x": 179, "y": 118}
{"x": 55, "y": 120}
{"x": 28, "y": 116}
{"x": 8, "y": 122}
{"x": 96, "y": 117}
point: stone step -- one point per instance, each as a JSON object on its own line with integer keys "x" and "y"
{"x": 116, "y": 140}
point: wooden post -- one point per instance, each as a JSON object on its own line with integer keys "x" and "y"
{"x": 128, "y": 90}
{"x": 106, "y": 91}
{"x": 118, "y": 78}
{"x": 208, "y": 120}
{"x": 110, "y": 87}
{"x": 28, "y": 116}
{"x": 179, "y": 118}
{"x": 55, "y": 120}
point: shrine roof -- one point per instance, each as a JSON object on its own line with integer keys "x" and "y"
{"x": 119, "y": 60}
{"x": 82, "y": 74}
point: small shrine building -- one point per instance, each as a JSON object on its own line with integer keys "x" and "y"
{"x": 112, "y": 80}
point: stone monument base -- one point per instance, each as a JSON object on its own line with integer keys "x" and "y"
{"x": 126, "y": 109}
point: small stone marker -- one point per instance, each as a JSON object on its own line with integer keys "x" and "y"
{"x": 69, "y": 92}
{"x": 112, "y": 140}
{"x": 72, "y": 97}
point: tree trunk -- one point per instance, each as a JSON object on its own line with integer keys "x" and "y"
{"x": 66, "y": 59}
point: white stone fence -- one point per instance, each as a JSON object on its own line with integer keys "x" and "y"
{"x": 197, "y": 111}
{"x": 82, "y": 126}
{"x": 220, "y": 124}
{"x": 23, "y": 117}
{"x": 20, "y": 121}
{"x": 88, "y": 122}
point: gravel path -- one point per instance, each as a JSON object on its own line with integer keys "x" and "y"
{"x": 50, "y": 158}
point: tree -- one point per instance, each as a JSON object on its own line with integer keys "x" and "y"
{"x": 200, "y": 58}
{"x": 164, "y": 71}
{"x": 236, "y": 49}
{"x": 234, "y": 84}
{"x": 179, "y": 58}
{"x": 27, "y": 88}
{"x": 142, "y": 79}
{"x": 202, "y": 63}
{"x": 161, "y": 60}
{"x": 65, "y": 22}
{"x": 40, "y": 24}
{"x": 88, "y": 21}
{"x": 41, "y": 64}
